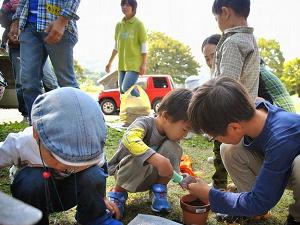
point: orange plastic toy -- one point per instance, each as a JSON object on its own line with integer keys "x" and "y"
{"x": 186, "y": 165}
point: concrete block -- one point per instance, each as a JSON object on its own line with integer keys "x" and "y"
{"x": 151, "y": 220}
{"x": 15, "y": 212}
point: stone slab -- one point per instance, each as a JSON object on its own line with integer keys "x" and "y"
{"x": 15, "y": 212}
{"x": 144, "y": 219}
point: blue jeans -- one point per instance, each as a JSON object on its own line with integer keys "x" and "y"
{"x": 126, "y": 80}
{"x": 49, "y": 78}
{"x": 85, "y": 189}
{"x": 14, "y": 56}
{"x": 34, "y": 52}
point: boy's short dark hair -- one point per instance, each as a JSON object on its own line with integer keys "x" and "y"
{"x": 132, "y": 3}
{"x": 240, "y": 7}
{"x": 176, "y": 104}
{"x": 213, "y": 40}
{"x": 217, "y": 103}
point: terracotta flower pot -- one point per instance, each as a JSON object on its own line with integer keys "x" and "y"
{"x": 194, "y": 211}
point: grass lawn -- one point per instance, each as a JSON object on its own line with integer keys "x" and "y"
{"x": 197, "y": 148}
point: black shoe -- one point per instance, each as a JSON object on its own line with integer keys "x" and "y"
{"x": 291, "y": 221}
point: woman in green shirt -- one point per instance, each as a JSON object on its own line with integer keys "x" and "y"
{"x": 130, "y": 44}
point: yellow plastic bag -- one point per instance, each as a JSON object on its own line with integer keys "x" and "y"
{"x": 132, "y": 107}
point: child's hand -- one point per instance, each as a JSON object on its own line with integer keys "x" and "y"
{"x": 162, "y": 164}
{"x": 113, "y": 208}
{"x": 200, "y": 189}
{"x": 187, "y": 180}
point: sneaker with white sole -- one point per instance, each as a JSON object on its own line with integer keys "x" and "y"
{"x": 159, "y": 198}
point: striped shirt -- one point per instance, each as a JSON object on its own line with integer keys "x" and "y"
{"x": 237, "y": 57}
{"x": 48, "y": 11}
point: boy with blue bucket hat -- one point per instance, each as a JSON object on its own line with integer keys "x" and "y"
{"x": 60, "y": 158}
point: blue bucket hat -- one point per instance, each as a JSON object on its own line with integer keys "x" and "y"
{"x": 70, "y": 124}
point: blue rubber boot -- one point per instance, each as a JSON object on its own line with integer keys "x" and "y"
{"x": 160, "y": 199}
{"x": 119, "y": 198}
{"x": 106, "y": 219}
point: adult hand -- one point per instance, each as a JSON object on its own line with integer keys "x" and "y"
{"x": 13, "y": 33}
{"x": 113, "y": 208}
{"x": 200, "y": 189}
{"x": 14, "y": 4}
{"x": 187, "y": 179}
{"x": 143, "y": 69}
{"x": 56, "y": 30}
{"x": 107, "y": 68}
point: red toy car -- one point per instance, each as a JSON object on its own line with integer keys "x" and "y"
{"x": 156, "y": 87}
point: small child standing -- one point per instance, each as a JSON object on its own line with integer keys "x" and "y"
{"x": 236, "y": 56}
{"x": 149, "y": 152}
{"x": 61, "y": 160}
{"x": 237, "y": 53}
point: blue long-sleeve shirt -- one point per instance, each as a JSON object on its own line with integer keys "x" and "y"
{"x": 279, "y": 144}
